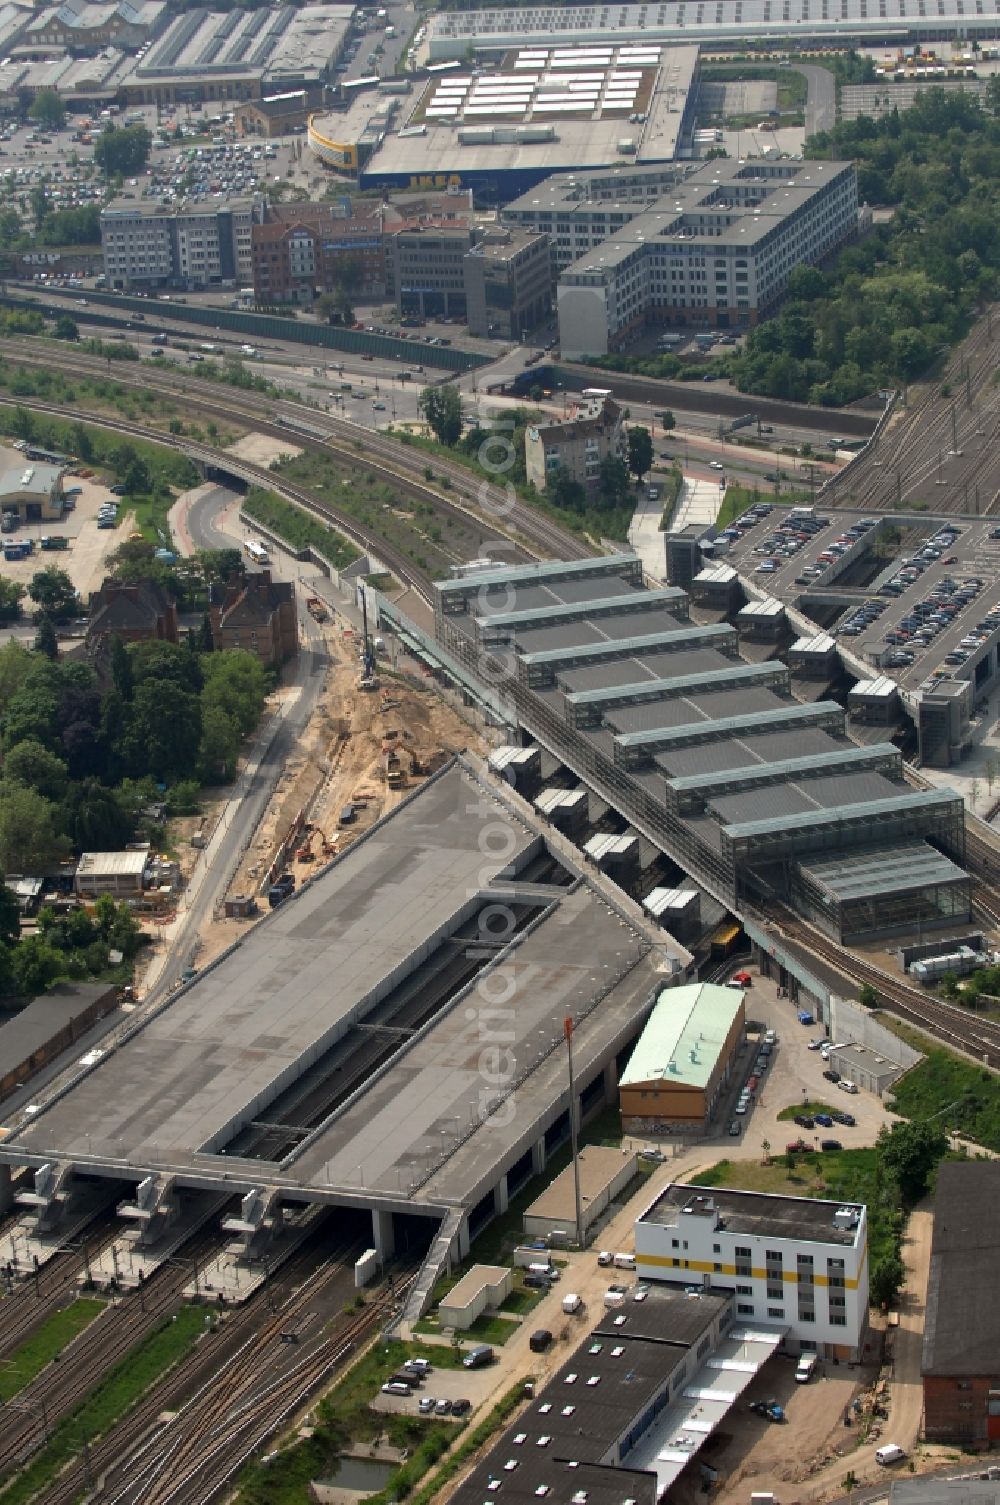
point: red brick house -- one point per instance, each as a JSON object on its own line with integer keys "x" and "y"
{"x": 257, "y": 614}
{"x": 960, "y": 1366}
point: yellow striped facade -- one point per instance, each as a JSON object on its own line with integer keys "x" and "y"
{"x": 703, "y": 1267}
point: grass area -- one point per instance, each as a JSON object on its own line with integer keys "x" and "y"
{"x": 951, "y": 1090}
{"x": 521, "y": 1301}
{"x": 108, "y": 1402}
{"x": 493, "y": 1329}
{"x": 738, "y": 498}
{"x": 787, "y": 1115}
{"x": 432, "y": 539}
{"x": 343, "y": 1416}
{"x": 298, "y": 528}
{"x": 45, "y": 1344}
{"x": 602, "y": 522}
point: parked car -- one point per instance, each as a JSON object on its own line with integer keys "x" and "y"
{"x": 832, "y": 1076}
{"x": 846, "y": 1086}
{"x": 461, "y": 1407}
{"x": 804, "y": 1121}
{"x": 830, "y": 1144}
{"x": 540, "y": 1340}
{"x": 798, "y": 1147}
{"x": 844, "y": 1118}
{"x": 824, "y": 1120}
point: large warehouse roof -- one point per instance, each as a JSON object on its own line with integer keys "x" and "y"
{"x": 684, "y": 1035}
{"x": 450, "y": 33}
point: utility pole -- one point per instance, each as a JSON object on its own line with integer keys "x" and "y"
{"x": 568, "y": 1032}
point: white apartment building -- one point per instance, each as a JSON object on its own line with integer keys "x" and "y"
{"x": 190, "y": 246}
{"x": 576, "y": 445}
{"x": 714, "y": 252}
{"x": 795, "y": 1262}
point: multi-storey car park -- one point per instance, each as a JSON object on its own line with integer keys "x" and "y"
{"x": 390, "y": 1038}
{"x": 910, "y": 605}
{"x": 450, "y": 34}
{"x": 759, "y": 796}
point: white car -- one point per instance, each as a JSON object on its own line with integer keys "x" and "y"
{"x": 846, "y": 1086}
{"x": 716, "y": 465}
{"x": 816, "y": 1045}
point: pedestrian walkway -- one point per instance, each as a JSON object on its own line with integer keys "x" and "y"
{"x": 699, "y": 502}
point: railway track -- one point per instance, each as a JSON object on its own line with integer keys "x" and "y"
{"x": 202, "y": 1386}
{"x": 510, "y": 524}
{"x": 52, "y": 1287}
{"x": 947, "y": 1021}
{"x": 906, "y": 463}
{"x": 109, "y": 1338}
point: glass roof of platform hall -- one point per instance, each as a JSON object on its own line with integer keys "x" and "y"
{"x": 821, "y": 711}
{"x": 623, "y": 601}
{"x": 869, "y": 873}
{"x": 917, "y": 799}
{"x": 836, "y": 760}
{"x": 697, "y": 637}
{"x": 538, "y": 574}
{"x": 723, "y": 677}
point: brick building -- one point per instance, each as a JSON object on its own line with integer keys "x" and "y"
{"x": 960, "y": 1366}
{"x": 277, "y": 114}
{"x": 302, "y": 250}
{"x": 257, "y": 614}
{"x": 133, "y": 612}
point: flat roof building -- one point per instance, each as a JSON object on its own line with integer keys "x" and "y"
{"x": 118, "y": 873}
{"x": 484, "y": 1288}
{"x": 190, "y": 244}
{"x": 798, "y": 1261}
{"x": 508, "y": 283}
{"x": 960, "y": 1365}
{"x": 502, "y": 131}
{"x": 683, "y": 1061}
{"x": 604, "y": 1174}
{"x": 715, "y": 250}
{"x": 34, "y": 1037}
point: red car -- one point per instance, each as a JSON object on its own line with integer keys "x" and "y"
{"x": 798, "y": 1147}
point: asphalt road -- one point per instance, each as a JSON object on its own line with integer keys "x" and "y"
{"x": 821, "y": 100}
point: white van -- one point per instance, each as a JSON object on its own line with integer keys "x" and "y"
{"x": 806, "y": 1368}
{"x": 571, "y": 1303}
{"x": 624, "y": 1261}
{"x": 891, "y": 1453}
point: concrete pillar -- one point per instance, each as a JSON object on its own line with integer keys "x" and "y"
{"x": 463, "y": 1239}
{"x": 611, "y": 1082}
{"x": 538, "y": 1157}
{"x": 500, "y": 1197}
{"x": 6, "y": 1192}
{"x": 383, "y": 1233}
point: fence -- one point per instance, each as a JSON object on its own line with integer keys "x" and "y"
{"x": 274, "y": 327}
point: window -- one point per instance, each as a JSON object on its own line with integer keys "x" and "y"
{"x": 836, "y": 1321}
{"x": 744, "y": 1290}
{"x": 775, "y": 1311}
{"x": 745, "y": 1309}
{"x": 716, "y": 1248}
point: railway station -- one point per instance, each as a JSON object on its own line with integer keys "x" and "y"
{"x": 390, "y": 1038}
{"x": 763, "y": 798}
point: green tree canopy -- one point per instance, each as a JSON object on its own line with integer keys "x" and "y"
{"x": 54, "y": 593}
{"x": 910, "y": 1151}
{"x": 122, "y": 150}
{"x": 47, "y": 110}
{"x": 442, "y": 408}
{"x": 30, "y": 838}
{"x": 640, "y": 451}
{"x": 11, "y": 593}
{"x": 35, "y": 767}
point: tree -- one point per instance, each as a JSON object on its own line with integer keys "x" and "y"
{"x": 910, "y": 1151}
{"x": 47, "y": 110}
{"x": 54, "y": 593}
{"x": 640, "y": 451}
{"x": 235, "y": 683}
{"x": 219, "y": 564}
{"x": 666, "y": 420}
{"x": 220, "y": 743}
{"x": 30, "y": 840}
{"x": 132, "y": 470}
{"x": 11, "y": 592}
{"x": 10, "y": 915}
{"x": 163, "y": 731}
{"x": 34, "y": 767}
{"x": 122, "y": 151}
{"x": 36, "y": 965}
{"x": 867, "y": 996}
{"x": 886, "y": 1279}
{"x": 613, "y": 481}
{"x": 442, "y": 408}
{"x": 66, "y": 328}
{"x": 564, "y": 491}
{"x": 96, "y": 818}
{"x": 46, "y": 641}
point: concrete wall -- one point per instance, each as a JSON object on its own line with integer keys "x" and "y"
{"x": 851, "y": 1023}
{"x": 490, "y": 1296}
